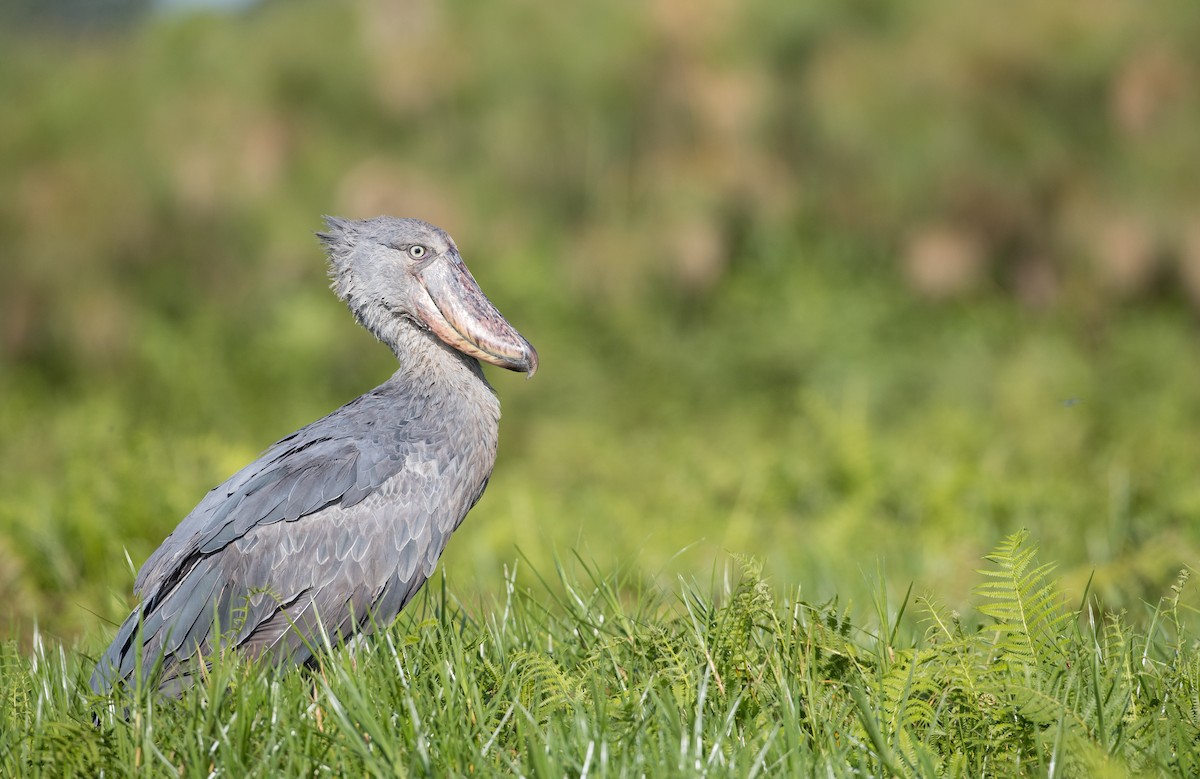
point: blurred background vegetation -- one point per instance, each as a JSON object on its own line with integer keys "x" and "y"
{"x": 849, "y": 287}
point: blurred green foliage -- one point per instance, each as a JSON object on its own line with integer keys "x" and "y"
{"x": 823, "y": 283}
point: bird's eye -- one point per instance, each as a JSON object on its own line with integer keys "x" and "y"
{"x": 417, "y": 251}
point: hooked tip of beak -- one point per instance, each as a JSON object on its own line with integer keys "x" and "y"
{"x": 532, "y": 361}
{"x": 520, "y": 357}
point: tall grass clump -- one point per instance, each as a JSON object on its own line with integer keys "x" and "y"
{"x": 592, "y": 675}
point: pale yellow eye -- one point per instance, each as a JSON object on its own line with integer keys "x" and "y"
{"x": 417, "y": 251}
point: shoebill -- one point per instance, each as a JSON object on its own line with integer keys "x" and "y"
{"x": 333, "y": 529}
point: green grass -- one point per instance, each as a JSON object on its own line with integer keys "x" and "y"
{"x": 606, "y": 675}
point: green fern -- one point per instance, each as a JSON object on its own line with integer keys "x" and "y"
{"x": 740, "y": 625}
{"x": 909, "y": 690}
{"x": 1026, "y": 604}
{"x": 543, "y": 687}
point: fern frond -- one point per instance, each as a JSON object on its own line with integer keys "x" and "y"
{"x": 943, "y": 624}
{"x": 542, "y": 686}
{"x": 908, "y": 691}
{"x": 1028, "y": 609}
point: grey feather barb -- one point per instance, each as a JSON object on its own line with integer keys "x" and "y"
{"x": 335, "y": 527}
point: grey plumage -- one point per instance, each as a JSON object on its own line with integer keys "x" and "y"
{"x": 335, "y": 527}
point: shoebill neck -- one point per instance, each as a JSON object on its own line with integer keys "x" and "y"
{"x": 414, "y": 345}
{"x": 427, "y": 358}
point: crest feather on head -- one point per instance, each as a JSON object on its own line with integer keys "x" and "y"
{"x": 338, "y": 240}
{"x": 340, "y": 244}
{"x": 338, "y": 229}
